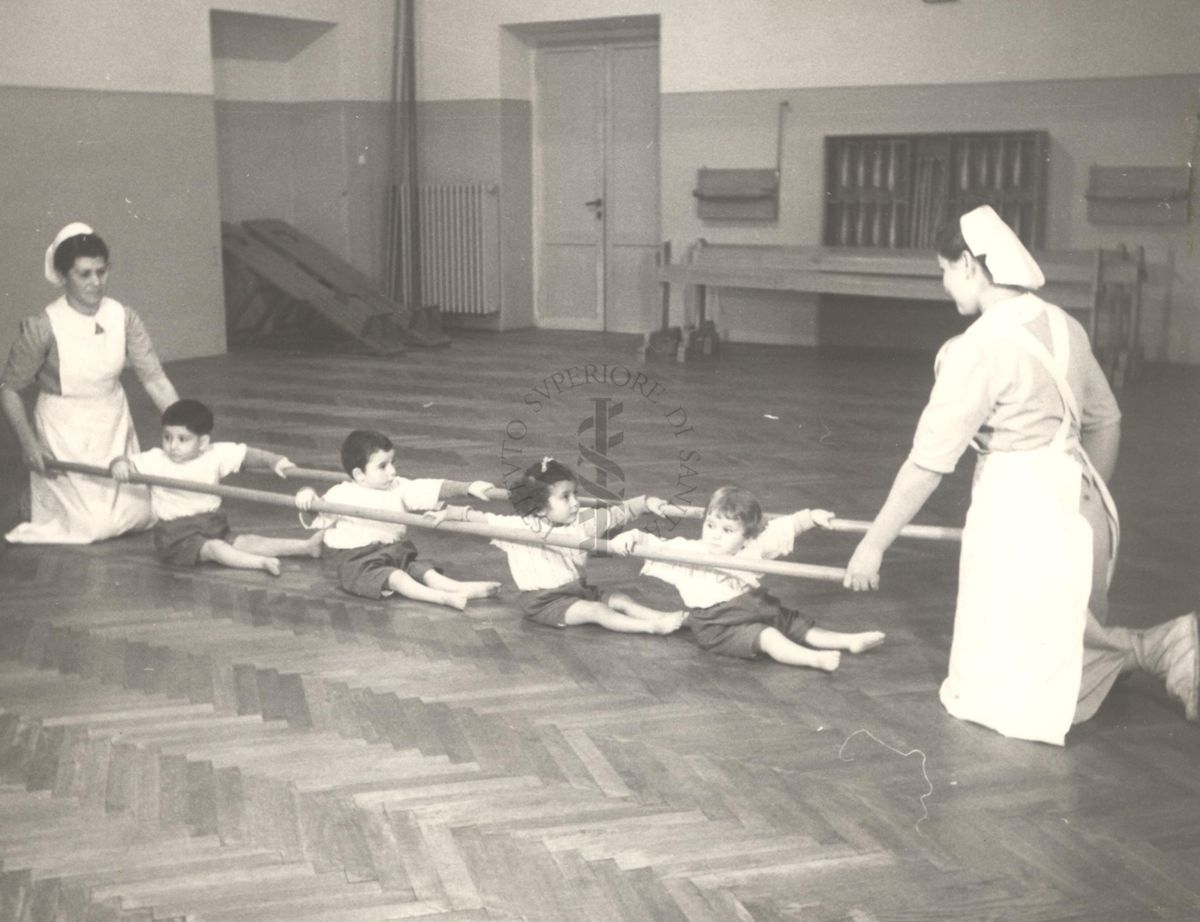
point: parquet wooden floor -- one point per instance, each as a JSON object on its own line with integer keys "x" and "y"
{"x": 221, "y": 745}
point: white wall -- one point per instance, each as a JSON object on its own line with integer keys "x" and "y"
{"x": 163, "y": 46}
{"x": 710, "y": 45}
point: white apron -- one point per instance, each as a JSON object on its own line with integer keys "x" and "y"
{"x": 1025, "y": 577}
{"x": 89, "y": 423}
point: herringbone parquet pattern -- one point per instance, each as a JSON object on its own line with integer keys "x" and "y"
{"x": 220, "y": 745}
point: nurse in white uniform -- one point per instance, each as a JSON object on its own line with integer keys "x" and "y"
{"x": 1030, "y": 655}
{"x": 75, "y": 351}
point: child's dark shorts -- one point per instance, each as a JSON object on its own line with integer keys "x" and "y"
{"x": 178, "y": 541}
{"x": 732, "y": 628}
{"x": 365, "y": 571}
{"x": 549, "y": 606}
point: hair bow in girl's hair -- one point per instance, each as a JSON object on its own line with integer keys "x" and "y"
{"x": 546, "y": 463}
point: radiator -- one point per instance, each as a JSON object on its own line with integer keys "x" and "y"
{"x": 459, "y": 246}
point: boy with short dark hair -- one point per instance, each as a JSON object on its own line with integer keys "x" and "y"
{"x": 190, "y": 528}
{"x": 375, "y": 559}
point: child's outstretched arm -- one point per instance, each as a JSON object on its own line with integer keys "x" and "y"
{"x": 661, "y": 508}
{"x": 610, "y": 518}
{"x": 480, "y": 489}
{"x": 778, "y": 538}
{"x": 805, "y": 519}
{"x": 436, "y": 517}
{"x": 259, "y": 459}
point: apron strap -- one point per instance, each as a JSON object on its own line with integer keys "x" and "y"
{"x": 1056, "y": 365}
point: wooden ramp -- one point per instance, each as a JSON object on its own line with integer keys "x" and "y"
{"x": 419, "y": 327}
{"x": 270, "y": 295}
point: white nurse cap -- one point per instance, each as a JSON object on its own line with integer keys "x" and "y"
{"x": 1009, "y": 263}
{"x": 71, "y": 230}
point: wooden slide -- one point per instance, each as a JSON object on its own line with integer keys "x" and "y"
{"x": 417, "y": 327}
{"x": 269, "y": 295}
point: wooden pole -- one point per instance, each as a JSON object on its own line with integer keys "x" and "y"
{"x": 324, "y": 476}
{"x": 497, "y": 494}
{"x": 312, "y": 473}
{"x": 859, "y": 526}
{"x": 477, "y": 528}
{"x": 926, "y": 532}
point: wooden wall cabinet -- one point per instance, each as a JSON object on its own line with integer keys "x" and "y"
{"x": 895, "y": 191}
{"x": 737, "y": 195}
{"x": 1149, "y": 195}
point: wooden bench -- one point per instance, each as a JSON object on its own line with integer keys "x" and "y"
{"x": 1101, "y": 288}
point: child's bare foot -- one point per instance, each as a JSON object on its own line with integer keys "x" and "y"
{"x": 271, "y": 565}
{"x": 867, "y": 640}
{"x": 454, "y": 600}
{"x": 480, "y": 590}
{"x": 827, "y": 660}
{"x": 669, "y": 622}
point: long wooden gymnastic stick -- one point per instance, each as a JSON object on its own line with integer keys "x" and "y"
{"x": 496, "y": 493}
{"x": 324, "y": 476}
{"x": 519, "y": 535}
{"x": 926, "y": 532}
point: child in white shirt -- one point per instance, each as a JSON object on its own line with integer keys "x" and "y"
{"x": 728, "y": 611}
{"x": 190, "y": 528}
{"x": 375, "y": 559}
{"x": 554, "y": 590}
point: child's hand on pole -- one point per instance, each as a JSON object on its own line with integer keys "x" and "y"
{"x": 660, "y": 507}
{"x": 120, "y": 470}
{"x": 305, "y": 499}
{"x": 481, "y": 489}
{"x": 822, "y": 518}
{"x": 435, "y": 517}
{"x": 282, "y": 466}
{"x": 625, "y": 543}
{"x": 812, "y": 518}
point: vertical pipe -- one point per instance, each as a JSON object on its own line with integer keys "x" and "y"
{"x": 413, "y": 293}
{"x": 437, "y": 241}
{"x": 453, "y": 252}
{"x": 430, "y": 279}
{"x": 477, "y": 249}
{"x": 389, "y": 232}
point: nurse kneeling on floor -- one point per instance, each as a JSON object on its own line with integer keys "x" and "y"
{"x": 1030, "y": 655}
{"x": 75, "y": 350}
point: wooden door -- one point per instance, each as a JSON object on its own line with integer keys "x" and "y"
{"x": 631, "y": 206}
{"x": 597, "y": 138}
{"x": 571, "y": 140}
